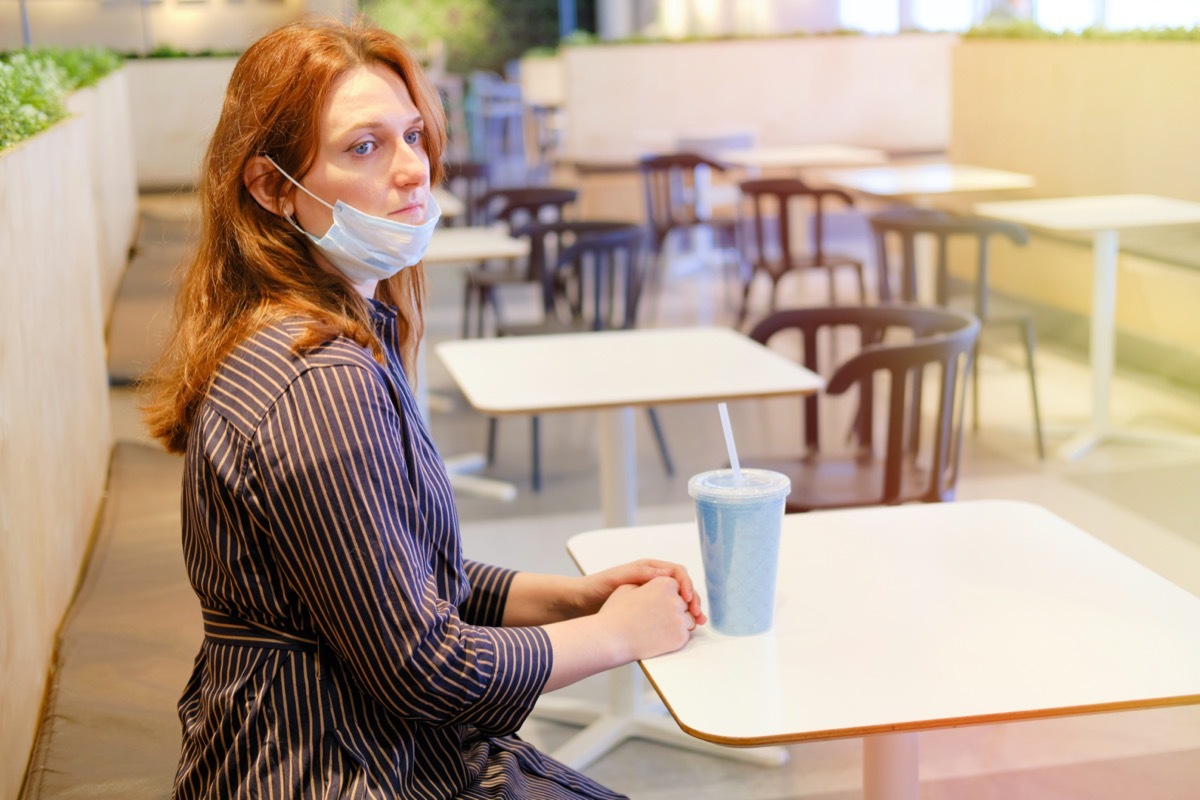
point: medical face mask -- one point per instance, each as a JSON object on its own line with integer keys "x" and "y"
{"x": 366, "y": 248}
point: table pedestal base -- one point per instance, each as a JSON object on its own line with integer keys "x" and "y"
{"x": 628, "y": 717}
{"x": 891, "y": 767}
{"x": 1085, "y": 441}
{"x": 461, "y": 471}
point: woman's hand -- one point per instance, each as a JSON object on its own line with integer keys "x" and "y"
{"x": 648, "y": 620}
{"x": 596, "y": 589}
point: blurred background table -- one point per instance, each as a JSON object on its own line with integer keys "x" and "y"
{"x": 1102, "y": 216}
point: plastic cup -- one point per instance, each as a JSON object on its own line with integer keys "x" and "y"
{"x": 739, "y": 525}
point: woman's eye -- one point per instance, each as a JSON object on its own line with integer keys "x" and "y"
{"x": 363, "y": 148}
{"x": 413, "y": 137}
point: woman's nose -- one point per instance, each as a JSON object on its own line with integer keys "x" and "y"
{"x": 409, "y": 167}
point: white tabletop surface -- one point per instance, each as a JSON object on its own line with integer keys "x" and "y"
{"x": 1094, "y": 213}
{"x": 924, "y": 616}
{"x": 800, "y": 156}
{"x": 925, "y": 179}
{"x": 451, "y": 245}
{"x": 449, "y": 203}
{"x": 530, "y": 374}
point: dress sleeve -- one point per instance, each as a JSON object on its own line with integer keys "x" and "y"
{"x": 489, "y": 593}
{"x": 336, "y": 490}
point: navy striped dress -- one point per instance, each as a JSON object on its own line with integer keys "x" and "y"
{"x": 350, "y": 650}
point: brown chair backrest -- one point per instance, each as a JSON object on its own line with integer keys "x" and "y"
{"x": 936, "y": 340}
{"x": 467, "y": 180}
{"x": 909, "y": 223}
{"x": 769, "y": 200}
{"x": 525, "y": 205}
{"x": 596, "y": 276}
{"x": 670, "y": 192}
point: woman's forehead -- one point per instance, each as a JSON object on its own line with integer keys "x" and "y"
{"x": 367, "y": 96}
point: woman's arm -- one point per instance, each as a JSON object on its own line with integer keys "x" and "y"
{"x": 607, "y": 619}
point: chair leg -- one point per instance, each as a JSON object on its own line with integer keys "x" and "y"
{"x": 468, "y": 292}
{"x": 741, "y": 318}
{"x": 862, "y": 284}
{"x": 656, "y": 425}
{"x": 975, "y": 388}
{"x": 493, "y": 422}
{"x": 1030, "y": 346}
{"x": 484, "y": 298}
{"x": 536, "y": 437}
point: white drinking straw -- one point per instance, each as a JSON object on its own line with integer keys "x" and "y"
{"x": 729, "y": 445}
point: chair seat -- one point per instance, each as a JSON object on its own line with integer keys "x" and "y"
{"x": 822, "y": 481}
{"x": 482, "y": 277}
{"x": 811, "y": 261}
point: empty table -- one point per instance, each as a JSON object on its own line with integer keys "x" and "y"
{"x": 890, "y": 621}
{"x": 613, "y": 372}
{"x": 1103, "y": 216}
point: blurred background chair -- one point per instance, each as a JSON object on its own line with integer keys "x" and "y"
{"x": 767, "y": 237}
{"x": 515, "y": 208}
{"x": 468, "y": 181}
{"x": 904, "y": 352}
{"x": 675, "y": 185}
{"x": 905, "y": 225}
{"x": 495, "y": 117}
{"x": 591, "y": 281}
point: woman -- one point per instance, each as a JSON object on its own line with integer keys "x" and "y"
{"x": 349, "y": 650}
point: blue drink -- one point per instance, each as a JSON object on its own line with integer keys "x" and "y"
{"x": 739, "y": 540}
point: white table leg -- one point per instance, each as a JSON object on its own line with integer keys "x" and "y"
{"x": 1105, "y": 248}
{"x": 460, "y": 469}
{"x": 626, "y": 715}
{"x": 891, "y": 767}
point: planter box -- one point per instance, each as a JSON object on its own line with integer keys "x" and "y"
{"x": 1092, "y": 117}
{"x": 104, "y": 111}
{"x": 175, "y": 104}
{"x": 890, "y": 92}
{"x": 55, "y": 435}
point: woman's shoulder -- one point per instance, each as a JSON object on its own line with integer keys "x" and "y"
{"x": 266, "y": 364}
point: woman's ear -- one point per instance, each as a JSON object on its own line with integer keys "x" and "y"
{"x": 255, "y": 177}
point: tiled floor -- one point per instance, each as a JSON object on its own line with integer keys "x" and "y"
{"x": 1140, "y": 500}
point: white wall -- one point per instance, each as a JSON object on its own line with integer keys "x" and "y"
{"x": 890, "y": 92}
{"x": 131, "y": 27}
{"x": 55, "y": 434}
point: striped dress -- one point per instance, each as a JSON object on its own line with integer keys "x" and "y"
{"x": 350, "y": 651}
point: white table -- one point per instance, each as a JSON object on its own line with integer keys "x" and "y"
{"x": 612, "y": 373}
{"x": 919, "y": 185}
{"x": 802, "y": 156}
{"x": 468, "y": 246}
{"x": 1103, "y": 217}
{"x": 917, "y": 182}
{"x": 890, "y": 621}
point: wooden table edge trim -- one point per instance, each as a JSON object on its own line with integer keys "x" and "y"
{"x": 715, "y": 398}
{"x": 926, "y": 725}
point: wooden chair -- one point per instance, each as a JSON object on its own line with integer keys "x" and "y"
{"x": 907, "y": 224}
{"x": 904, "y": 351}
{"x": 672, "y": 204}
{"x": 593, "y": 282}
{"x": 468, "y": 181}
{"x": 766, "y": 246}
{"x": 516, "y": 207}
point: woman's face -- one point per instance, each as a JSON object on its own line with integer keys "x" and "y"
{"x": 371, "y": 153}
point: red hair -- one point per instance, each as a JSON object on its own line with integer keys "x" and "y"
{"x": 251, "y": 268}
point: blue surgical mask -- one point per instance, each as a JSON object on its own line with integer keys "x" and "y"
{"x": 366, "y": 248}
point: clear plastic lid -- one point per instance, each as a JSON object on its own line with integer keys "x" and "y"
{"x": 756, "y": 485}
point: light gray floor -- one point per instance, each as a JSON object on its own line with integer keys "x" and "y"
{"x": 1142, "y": 501}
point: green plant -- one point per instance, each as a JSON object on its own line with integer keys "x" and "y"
{"x": 31, "y": 96}
{"x": 34, "y": 85}
{"x": 82, "y": 66}
{"x": 1028, "y": 29}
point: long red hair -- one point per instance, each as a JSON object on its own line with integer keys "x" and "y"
{"x": 251, "y": 268}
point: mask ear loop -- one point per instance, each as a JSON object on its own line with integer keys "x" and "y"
{"x": 302, "y": 188}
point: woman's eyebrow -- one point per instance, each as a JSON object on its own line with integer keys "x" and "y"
{"x": 375, "y": 123}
